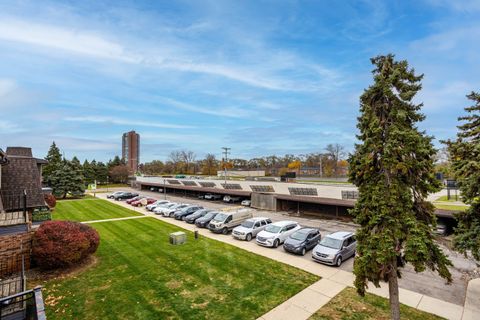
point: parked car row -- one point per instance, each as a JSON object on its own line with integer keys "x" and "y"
{"x": 226, "y": 198}
{"x": 331, "y": 249}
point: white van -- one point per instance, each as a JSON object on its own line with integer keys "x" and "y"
{"x": 226, "y": 221}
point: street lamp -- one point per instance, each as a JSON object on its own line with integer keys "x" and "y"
{"x": 225, "y": 160}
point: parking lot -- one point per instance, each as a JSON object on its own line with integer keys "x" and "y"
{"x": 428, "y": 283}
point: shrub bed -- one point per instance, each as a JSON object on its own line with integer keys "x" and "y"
{"x": 60, "y": 244}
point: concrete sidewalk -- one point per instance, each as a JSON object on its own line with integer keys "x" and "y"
{"x": 305, "y": 303}
{"x": 114, "y": 219}
{"x": 333, "y": 279}
{"x": 472, "y": 302}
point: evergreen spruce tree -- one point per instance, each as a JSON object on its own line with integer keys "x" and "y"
{"x": 54, "y": 159}
{"x": 67, "y": 179}
{"x": 465, "y": 158}
{"x": 88, "y": 172}
{"x": 101, "y": 172}
{"x": 393, "y": 170}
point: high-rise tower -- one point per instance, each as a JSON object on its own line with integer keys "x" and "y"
{"x": 131, "y": 149}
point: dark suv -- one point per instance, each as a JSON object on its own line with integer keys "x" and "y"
{"x": 205, "y": 220}
{"x": 178, "y": 215}
{"x": 125, "y": 195}
{"x": 302, "y": 241}
{"x": 196, "y": 215}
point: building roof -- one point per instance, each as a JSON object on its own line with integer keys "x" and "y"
{"x": 202, "y": 189}
{"x": 3, "y": 157}
{"x": 21, "y": 174}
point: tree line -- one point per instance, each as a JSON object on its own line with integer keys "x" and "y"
{"x": 71, "y": 177}
{"x": 330, "y": 163}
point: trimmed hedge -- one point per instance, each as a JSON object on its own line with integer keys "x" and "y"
{"x": 60, "y": 244}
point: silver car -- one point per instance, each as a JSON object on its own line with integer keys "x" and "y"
{"x": 151, "y": 207}
{"x": 250, "y": 228}
{"x": 335, "y": 248}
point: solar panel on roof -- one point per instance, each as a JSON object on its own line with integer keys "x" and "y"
{"x": 303, "y": 191}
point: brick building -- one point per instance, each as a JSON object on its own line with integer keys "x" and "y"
{"x": 131, "y": 150}
{"x": 20, "y": 194}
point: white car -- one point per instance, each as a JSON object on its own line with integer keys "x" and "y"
{"x": 276, "y": 233}
{"x": 250, "y": 228}
{"x": 246, "y": 203}
{"x": 152, "y": 206}
{"x": 112, "y": 195}
{"x": 159, "y": 209}
{"x": 169, "y": 212}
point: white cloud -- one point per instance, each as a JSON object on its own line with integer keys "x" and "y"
{"x": 231, "y": 112}
{"x": 9, "y": 127}
{"x": 263, "y": 70}
{"x": 76, "y": 41}
{"x": 126, "y": 122}
{"x": 461, "y": 40}
{"x": 81, "y": 144}
{"x": 458, "y": 5}
{"x": 6, "y": 86}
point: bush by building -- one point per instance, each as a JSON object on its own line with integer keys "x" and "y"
{"x": 60, "y": 244}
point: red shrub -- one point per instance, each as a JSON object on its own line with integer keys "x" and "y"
{"x": 50, "y": 200}
{"x": 63, "y": 244}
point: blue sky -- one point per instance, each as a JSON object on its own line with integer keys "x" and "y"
{"x": 262, "y": 77}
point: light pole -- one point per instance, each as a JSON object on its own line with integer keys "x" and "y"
{"x": 165, "y": 188}
{"x": 225, "y": 160}
{"x": 321, "y": 164}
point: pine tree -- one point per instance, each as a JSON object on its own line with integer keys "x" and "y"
{"x": 101, "y": 172}
{"x": 54, "y": 159}
{"x": 88, "y": 172}
{"x": 67, "y": 179}
{"x": 393, "y": 170}
{"x": 465, "y": 158}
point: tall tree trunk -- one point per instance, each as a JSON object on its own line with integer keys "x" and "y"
{"x": 393, "y": 292}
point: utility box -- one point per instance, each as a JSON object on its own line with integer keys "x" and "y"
{"x": 178, "y": 237}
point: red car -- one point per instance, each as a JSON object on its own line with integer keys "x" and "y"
{"x": 141, "y": 202}
{"x": 129, "y": 201}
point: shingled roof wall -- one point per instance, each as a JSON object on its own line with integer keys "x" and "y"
{"x": 21, "y": 173}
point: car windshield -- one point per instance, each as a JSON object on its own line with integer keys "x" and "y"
{"x": 210, "y": 215}
{"x": 331, "y": 243}
{"x": 201, "y": 211}
{"x": 220, "y": 217}
{"x": 299, "y": 235}
{"x": 248, "y": 224}
{"x": 272, "y": 228}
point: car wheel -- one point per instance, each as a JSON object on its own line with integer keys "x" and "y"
{"x": 303, "y": 251}
{"x": 339, "y": 261}
{"x": 276, "y": 243}
{"x": 249, "y": 237}
{"x": 225, "y": 230}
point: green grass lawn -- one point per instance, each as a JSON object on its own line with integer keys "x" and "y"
{"x": 452, "y": 198}
{"x": 112, "y": 185}
{"x": 139, "y": 275}
{"x": 450, "y": 207}
{"x": 89, "y": 209}
{"x": 348, "y": 305}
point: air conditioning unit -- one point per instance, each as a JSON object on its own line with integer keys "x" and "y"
{"x": 178, "y": 237}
